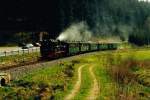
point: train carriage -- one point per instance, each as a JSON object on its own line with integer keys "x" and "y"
{"x": 54, "y": 49}
{"x": 94, "y": 46}
{"x": 103, "y": 46}
{"x": 84, "y": 47}
{"x": 73, "y": 48}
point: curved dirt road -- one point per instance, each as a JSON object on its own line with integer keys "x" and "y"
{"x": 94, "y": 92}
{"x": 77, "y": 86}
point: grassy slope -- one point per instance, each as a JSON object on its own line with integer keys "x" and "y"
{"x": 18, "y": 59}
{"x": 60, "y": 94}
{"x": 54, "y": 78}
{"x": 85, "y": 84}
{"x": 54, "y": 75}
{"x": 107, "y": 89}
{"x": 38, "y": 77}
{"x": 130, "y": 90}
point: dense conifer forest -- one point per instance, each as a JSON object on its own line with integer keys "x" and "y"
{"x": 123, "y": 18}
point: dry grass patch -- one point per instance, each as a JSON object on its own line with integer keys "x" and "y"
{"x": 131, "y": 76}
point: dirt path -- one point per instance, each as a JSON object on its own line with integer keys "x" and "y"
{"x": 94, "y": 92}
{"x": 76, "y": 86}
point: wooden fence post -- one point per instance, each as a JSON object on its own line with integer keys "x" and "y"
{"x": 5, "y": 53}
{"x": 18, "y": 52}
{"x": 23, "y": 55}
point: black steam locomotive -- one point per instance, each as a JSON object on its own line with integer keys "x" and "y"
{"x": 54, "y": 49}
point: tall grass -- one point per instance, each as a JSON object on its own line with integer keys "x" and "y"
{"x": 124, "y": 73}
{"x": 49, "y": 83}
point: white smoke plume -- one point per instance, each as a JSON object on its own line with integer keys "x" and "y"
{"x": 76, "y": 32}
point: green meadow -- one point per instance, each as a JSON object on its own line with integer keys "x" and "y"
{"x": 121, "y": 75}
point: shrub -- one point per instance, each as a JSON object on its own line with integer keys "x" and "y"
{"x": 69, "y": 70}
{"x": 122, "y": 72}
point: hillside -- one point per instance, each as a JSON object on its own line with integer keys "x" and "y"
{"x": 105, "y": 75}
{"x": 103, "y": 17}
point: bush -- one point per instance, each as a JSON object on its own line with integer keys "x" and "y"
{"x": 69, "y": 70}
{"x": 122, "y": 73}
{"x": 139, "y": 39}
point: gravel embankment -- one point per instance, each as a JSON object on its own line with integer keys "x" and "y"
{"x": 22, "y": 70}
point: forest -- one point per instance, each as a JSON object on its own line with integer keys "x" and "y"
{"x": 123, "y": 18}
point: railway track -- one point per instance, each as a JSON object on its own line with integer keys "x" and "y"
{"x": 44, "y": 61}
{"x": 19, "y": 70}
{"x": 39, "y": 60}
{"x": 19, "y": 65}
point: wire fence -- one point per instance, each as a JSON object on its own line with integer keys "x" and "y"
{"x": 19, "y": 52}
{"x": 18, "y": 57}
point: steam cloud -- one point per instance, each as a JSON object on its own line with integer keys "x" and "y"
{"x": 76, "y": 32}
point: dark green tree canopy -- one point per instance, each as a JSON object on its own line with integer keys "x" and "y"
{"x": 115, "y": 17}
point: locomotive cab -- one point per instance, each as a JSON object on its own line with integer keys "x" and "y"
{"x": 53, "y": 49}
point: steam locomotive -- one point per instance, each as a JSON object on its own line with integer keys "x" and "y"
{"x": 51, "y": 49}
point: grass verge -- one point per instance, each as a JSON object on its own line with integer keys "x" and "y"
{"x": 122, "y": 75}
{"x": 46, "y": 83}
{"x": 86, "y": 84}
{"x": 8, "y": 61}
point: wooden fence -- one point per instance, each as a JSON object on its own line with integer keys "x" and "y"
{"x": 19, "y": 52}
